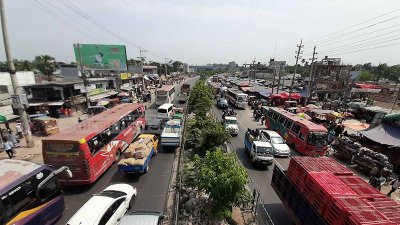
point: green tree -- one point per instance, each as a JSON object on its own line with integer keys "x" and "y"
{"x": 223, "y": 178}
{"x": 133, "y": 62}
{"x": 366, "y": 76}
{"x": 45, "y": 64}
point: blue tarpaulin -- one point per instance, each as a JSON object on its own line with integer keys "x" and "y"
{"x": 385, "y": 134}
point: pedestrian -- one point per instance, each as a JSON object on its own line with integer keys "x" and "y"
{"x": 18, "y": 129}
{"x": 262, "y": 119}
{"x": 8, "y": 148}
{"x": 374, "y": 174}
{"x": 7, "y": 126}
{"x": 12, "y": 139}
{"x": 395, "y": 185}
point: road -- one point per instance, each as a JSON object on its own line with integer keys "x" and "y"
{"x": 152, "y": 187}
{"x": 260, "y": 178}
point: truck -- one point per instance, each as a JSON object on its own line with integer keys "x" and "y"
{"x": 182, "y": 97}
{"x": 185, "y": 88}
{"x": 321, "y": 191}
{"x": 260, "y": 152}
{"x": 138, "y": 155}
{"x": 231, "y": 125}
{"x": 171, "y": 134}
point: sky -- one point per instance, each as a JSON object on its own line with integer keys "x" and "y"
{"x": 208, "y": 31}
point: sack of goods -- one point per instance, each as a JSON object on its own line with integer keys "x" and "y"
{"x": 139, "y": 155}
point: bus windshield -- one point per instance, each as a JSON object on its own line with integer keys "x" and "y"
{"x": 242, "y": 98}
{"x": 162, "y": 97}
{"x": 317, "y": 139}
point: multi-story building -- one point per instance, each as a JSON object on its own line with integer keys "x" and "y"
{"x": 330, "y": 79}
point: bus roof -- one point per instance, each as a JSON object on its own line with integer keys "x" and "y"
{"x": 13, "y": 172}
{"x": 94, "y": 124}
{"x": 310, "y": 125}
{"x": 166, "y": 88}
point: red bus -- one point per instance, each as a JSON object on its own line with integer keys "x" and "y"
{"x": 303, "y": 136}
{"x": 92, "y": 146}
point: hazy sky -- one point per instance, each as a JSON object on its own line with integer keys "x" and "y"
{"x": 208, "y": 31}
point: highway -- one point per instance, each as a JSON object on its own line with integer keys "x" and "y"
{"x": 260, "y": 178}
{"x": 152, "y": 187}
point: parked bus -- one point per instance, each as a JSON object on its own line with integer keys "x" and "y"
{"x": 236, "y": 98}
{"x": 305, "y": 137}
{"x": 166, "y": 94}
{"x": 90, "y": 147}
{"x": 29, "y": 193}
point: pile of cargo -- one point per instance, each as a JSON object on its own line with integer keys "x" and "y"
{"x": 137, "y": 152}
{"x": 337, "y": 195}
{"x": 365, "y": 158}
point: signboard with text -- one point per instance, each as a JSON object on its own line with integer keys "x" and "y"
{"x": 126, "y": 76}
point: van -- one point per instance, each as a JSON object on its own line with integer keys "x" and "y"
{"x": 165, "y": 111}
{"x": 142, "y": 218}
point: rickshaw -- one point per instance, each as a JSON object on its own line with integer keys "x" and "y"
{"x": 45, "y": 126}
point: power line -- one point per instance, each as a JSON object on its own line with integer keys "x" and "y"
{"x": 382, "y": 46}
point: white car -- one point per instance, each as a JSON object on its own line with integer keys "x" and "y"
{"x": 231, "y": 125}
{"x": 106, "y": 208}
{"x": 277, "y": 142}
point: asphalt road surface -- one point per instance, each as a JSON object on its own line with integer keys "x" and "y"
{"x": 270, "y": 205}
{"x": 151, "y": 187}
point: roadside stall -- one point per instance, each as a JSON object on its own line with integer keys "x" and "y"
{"x": 45, "y": 126}
{"x": 319, "y": 115}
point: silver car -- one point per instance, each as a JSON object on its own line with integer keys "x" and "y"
{"x": 277, "y": 142}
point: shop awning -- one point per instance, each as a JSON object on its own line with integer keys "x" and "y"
{"x": 392, "y": 118}
{"x": 384, "y": 134}
{"x": 47, "y": 103}
{"x": 355, "y": 125}
{"x": 102, "y": 95}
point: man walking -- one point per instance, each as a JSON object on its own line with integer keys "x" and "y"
{"x": 395, "y": 185}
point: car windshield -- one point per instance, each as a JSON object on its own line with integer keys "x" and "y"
{"x": 277, "y": 140}
{"x": 112, "y": 194}
{"x": 153, "y": 122}
{"x": 223, "y": 101}
{"x": 263, "y": 150}
{"x": 227, "y": 121}
{"x": 242, "y": 98}
{"x": 317, "y": 139}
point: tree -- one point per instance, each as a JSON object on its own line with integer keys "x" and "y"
{"x": 223, "y": 178}
{"x": 45, "y": 64}
{"x": 134, "y": 62}
{"x": 366, "y": 76}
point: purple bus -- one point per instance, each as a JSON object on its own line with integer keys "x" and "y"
{"x": 29, "y": 193}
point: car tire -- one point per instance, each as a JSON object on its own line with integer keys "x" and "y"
{"x": 146, "y": 169}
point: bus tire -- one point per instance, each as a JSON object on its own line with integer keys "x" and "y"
{"x": 117, "y": 155}
{"x": 293, "y": 146}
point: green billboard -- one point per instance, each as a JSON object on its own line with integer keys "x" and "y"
{"x": 102, "y": 57}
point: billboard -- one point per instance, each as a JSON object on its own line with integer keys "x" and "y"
{"x": 101, "y": 57}
{"x": 126, "y": 76}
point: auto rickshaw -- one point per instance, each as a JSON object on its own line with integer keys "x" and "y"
{"x": 45, "y": 126}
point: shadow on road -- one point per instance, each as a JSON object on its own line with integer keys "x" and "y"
{"x": 275, "y": 212}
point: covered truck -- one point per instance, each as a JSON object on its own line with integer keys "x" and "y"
{"x": 171, "y": 134}
{"x": 321, "y": 191}
{"x": 138, "y": 155}
{"x": 260, "y": 152}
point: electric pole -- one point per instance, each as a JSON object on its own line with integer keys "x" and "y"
{"x": 84, "y": 77}
{"x": 295, "y": 67}
{"x": 273, "y": 81}
{"x": 142, "y": 59}
{"x": 397, "y": 95}
{"x": 279, "y": 78}
{"x": 16, "y": 88}
{"x": 311, "y": 76}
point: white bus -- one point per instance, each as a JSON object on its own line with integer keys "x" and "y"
{"x": 166, "y": 94}
{"x": 236, "y": 98}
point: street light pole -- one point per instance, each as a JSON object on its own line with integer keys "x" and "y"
{"x": 16, "y": 88}
{"x": 295, "y": 67}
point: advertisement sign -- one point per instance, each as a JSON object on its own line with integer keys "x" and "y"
{"x": 101, "y": 57}
{"x": 126, "y": 76}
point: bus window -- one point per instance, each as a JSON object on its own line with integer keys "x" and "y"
{"x": 128, "y": 119}
{"x": 276, "y": 117}
{"x": 115, "y": 129}
{"x": 270, "y": 114}
{"x": 288, "y": 124}
{"x": 7, "y": 205}
{"x": 106, "y": 136}
{"x": 301, "y": 136}
{"x": 95, "y": 144}
{"x": 282, "y": 120}
{"x": 123, "y": 124}
{"x": 296, "y": 128}
{"x": 49, "y": 190}
{"x": 18, "y": 198}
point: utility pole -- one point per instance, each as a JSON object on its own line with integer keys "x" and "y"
{"x": 84, "y": 77}
{"x": 397, "y": 96}
{"x": 273, "y": 81}
{"x": 142, "y": 60}
{"x": 279, "y": 78}
{"x": 295, "y": 67}
{"x": 165, "y": 66}
{"x": 311, "y": 76}
{"x": 16, "y": 88}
